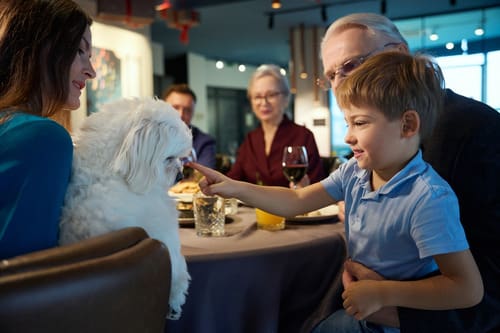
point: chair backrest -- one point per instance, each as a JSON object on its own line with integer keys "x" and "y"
{"x": 117, "y": 282}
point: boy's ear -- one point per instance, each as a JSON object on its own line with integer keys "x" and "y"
{"x": 410, "y": 123}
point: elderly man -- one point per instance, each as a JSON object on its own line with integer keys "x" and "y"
{"x": 183, "y": 99}
{"x": 464, "y": 150}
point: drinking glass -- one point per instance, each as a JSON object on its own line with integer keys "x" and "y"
{"x": 294, "y": 163}
{"x": 209, "y": 215}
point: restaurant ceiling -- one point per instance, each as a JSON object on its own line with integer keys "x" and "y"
{"x": 241, "y": 31}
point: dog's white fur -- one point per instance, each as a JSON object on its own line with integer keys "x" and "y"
{"x": 126, "y": 156}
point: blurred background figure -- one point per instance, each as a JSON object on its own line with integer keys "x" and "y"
{"x": 259, "y": 157}
{"x": 183, "y": 99}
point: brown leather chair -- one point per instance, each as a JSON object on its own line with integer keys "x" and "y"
{"x": 117, "y": 282}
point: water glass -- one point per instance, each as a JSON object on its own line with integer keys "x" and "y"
{"x": 231, "y": 206}
{"x": 209, "y": 215}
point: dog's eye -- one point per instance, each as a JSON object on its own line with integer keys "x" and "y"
{"x": 169, "y": 159}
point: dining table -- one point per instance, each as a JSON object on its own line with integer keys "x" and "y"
{"x": 258, "y": 281}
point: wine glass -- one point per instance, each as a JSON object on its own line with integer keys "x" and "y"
{"x": 294, "y": 163}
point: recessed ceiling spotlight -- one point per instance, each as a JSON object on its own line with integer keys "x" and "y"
{"x": 163, "y": 5}
{"x": 242, "y": 68}
{"x": 219, "y": 64}
{"x": 479, "y": 32}
{"x": 434, "y": 36}
{"x": 276, "y": 4}
{"x": 450, "y": 46}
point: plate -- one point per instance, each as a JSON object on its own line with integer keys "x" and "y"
{"x": 186, "y": 221}
{"x": 323, "y": 214}
{"x": 184, "y": 197}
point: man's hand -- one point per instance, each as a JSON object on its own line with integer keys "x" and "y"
{"x": 354, "y": 271}
{"x": 361, "y": 299}
{"x": 360, "y": 272}
{"x": 341, "y": 213}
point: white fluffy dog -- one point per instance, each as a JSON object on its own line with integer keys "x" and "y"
{"x": 126, "y": 157}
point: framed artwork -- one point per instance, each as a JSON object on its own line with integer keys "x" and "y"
{"x": 106, "y": 86}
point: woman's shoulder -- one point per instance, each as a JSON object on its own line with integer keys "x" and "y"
{"x": 30, "y": 132}
{"x": 31, "y": 124}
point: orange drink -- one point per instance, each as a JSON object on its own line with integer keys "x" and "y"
{"x": 268, "y": 221}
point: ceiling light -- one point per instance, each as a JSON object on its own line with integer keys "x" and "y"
{"x": 163, "y": 5}
{"x": 450, "y": 46}
{"x": 242, "y": 68}
{"x": 219, "y": 64}
{"x": 276, "y": 4}
{"x": 479, "y": 32}
{"x": 434, "y": 36}
{"x": 283, "y": 71}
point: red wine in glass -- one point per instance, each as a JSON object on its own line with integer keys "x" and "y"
{"x": 294, "y": 173}
{"x": 294, "y": 163}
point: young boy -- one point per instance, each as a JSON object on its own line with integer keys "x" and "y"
{"x": 402, "y": 219}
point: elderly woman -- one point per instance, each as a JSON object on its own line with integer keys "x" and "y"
{"x": 259, "y": 157}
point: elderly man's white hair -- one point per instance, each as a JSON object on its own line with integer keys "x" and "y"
{"x": 375, "y": 23}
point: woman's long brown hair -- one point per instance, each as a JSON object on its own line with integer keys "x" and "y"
{"x": 39, "y": 40}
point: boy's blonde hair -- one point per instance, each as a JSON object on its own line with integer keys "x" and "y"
{"x": 394, "y": 82}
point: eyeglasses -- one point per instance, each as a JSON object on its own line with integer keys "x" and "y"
{"x": 347, "y": 67}
{"x": 268, "y": 98}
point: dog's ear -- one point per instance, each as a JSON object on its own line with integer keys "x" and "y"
{"x": 140, "y": 156}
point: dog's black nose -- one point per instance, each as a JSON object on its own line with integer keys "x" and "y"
{"x": 179, "y": 176}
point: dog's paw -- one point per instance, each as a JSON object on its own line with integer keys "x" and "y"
{"x": 178, "y": 293}
{"x": 173, "y": 314}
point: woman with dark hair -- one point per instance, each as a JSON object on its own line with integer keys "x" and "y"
{"x": 45, "y": 49}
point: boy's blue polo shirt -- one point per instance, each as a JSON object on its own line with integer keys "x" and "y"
{"x": 398, "y": 228}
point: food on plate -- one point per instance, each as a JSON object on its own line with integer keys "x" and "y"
{"x": 182, "y": 205}
{"x": 183, "y": 192}
{"x": 185, "y": 187}
{"x": 313, "y": 213}
{"x": 325, "y": 211}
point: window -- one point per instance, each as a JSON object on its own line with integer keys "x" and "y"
{"x": 339, "y": 128}
{"x": 493, "y": 79}
{"x": 464, "y": 74}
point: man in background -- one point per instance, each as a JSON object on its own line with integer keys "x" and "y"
{"x": 183, "y": 99}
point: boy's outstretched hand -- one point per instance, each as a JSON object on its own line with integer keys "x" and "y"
{"x": 214, "y": 182}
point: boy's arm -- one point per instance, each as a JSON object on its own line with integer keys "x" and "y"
{"x": 458, "y": 286}
{"x": 274, "y": 199}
